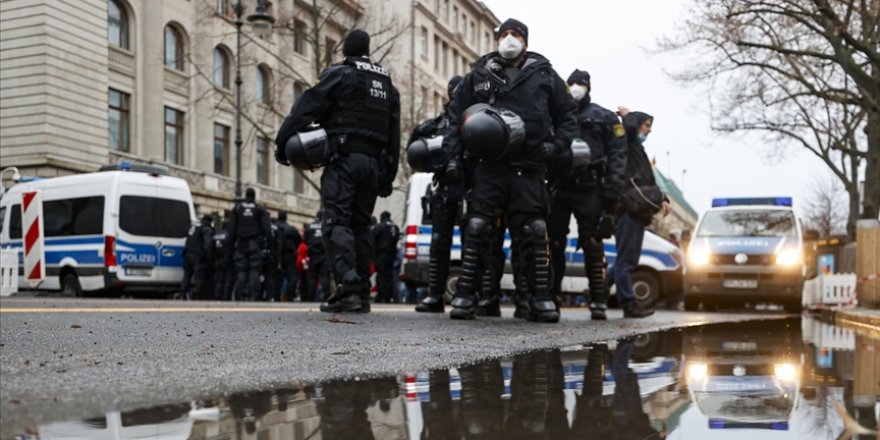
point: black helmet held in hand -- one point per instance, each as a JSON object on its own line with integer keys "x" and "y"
{"x": 308, "y": 150}
{"x": 489, "y": 133}
{"x": 425, "y": 155}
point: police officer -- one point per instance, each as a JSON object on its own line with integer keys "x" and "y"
{"x": 251, "y": 233}
{"x": 526, "y": 84}
{"x": 356, "y": 103}
{"x": 589, "y": 190}
{"x": 385, "y": 237}
{"x": 318, "y": 270}
{"x": 197, "y": 255}
{"x": 222, "y": 261}
{"x": 445, "y": 209}
{"x": 288, "y": 240}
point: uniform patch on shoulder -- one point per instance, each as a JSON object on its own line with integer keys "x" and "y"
{"x": 482, "y": 86}
{"x": 619, "y": 131}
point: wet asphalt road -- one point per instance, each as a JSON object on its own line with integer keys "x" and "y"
{"x": 70, "y": 359}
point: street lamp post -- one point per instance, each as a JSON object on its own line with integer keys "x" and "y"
{"x": 261, "y": 20}
{"x": 16, "y": 176}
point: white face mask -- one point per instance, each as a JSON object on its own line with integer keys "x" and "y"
{"x": 577, "y": 91}
{"x": 510, "y": 47}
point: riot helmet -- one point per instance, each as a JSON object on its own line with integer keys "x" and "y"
{"x": 489, "y": 133}
{"x": 308, "y": 150}
{"x": 425, "y": 155}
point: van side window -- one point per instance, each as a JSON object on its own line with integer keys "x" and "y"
{"x": 80, "y": 216}
{"x": 2, "y": 218}
{"x": 154, "y": 217}
{"x": 15, "y": 222}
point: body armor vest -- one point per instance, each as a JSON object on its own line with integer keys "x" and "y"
{"x": 364, "y": 107}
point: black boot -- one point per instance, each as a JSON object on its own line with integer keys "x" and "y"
{"x": 637, "y": 311}
{"x": 543, "y": 309}
{"x": 597, "y": 312}
{"x": 489, "y": 306}
{"x": 431, "y": 304}
{"x": 342, "y": 302}
{"x": 463, "y": 307}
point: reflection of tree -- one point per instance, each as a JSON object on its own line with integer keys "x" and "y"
{"x": 753, "y": 223}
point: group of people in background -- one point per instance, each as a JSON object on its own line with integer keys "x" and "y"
{"x": 252, "y": 257}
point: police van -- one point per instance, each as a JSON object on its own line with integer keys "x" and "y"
{"x": 658, "y": 275}
{"x": 122, "y": 228}
{"x": 746, "y": 250}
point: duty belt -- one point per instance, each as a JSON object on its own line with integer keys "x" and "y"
{"x": 347, "y": 144}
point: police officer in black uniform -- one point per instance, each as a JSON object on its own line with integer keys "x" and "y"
{"x": 526, "y": 84}
{"x": 288, "y": 240}
{"x": 385, "y": 237}
{"x": 356, "y": 103}
{"x": 317, "y": 270}
{"x": 251, "y": 233}
{"x": 445, "y": 199}
{"x": 589, "y": 191}
{"x": 197, "y": 255}
{"x": 222, "y": 261}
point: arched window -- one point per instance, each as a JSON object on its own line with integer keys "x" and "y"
{"x": 264, "y": 80}
{"x": 173, "y": 47}
{"x": 221, "y": 67}
{"x": 117, "y": 24}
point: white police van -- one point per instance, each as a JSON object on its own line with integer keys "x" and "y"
{"x": 122, "y": 228}
{"x": 746, "y": 250}
{"x": 658, "y": 274}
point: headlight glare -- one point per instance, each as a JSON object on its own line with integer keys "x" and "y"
{"x": 788, "y": 257}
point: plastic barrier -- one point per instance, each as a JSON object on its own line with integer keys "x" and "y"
{"x": 8, "y": 272}
{"x": 839, "y": 289}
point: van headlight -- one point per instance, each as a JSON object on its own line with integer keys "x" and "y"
{"x": 697, "y": 371}
{"x": 699, "y": 257}
{"x": 785, "y": 372}
{"x": 788, "y": 257}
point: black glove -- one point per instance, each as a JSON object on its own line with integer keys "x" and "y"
{"x": 385, "y": 188}
{"x": 281, "y": 156}
{"x": 543, "y": 152}
{"x": 453, "y": 170}
{"x": 610, "y": 199}
{"x": 607, "y": 225}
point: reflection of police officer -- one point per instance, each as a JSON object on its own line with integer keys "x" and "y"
{"x": 628, "y": 414}
{"x": 359, "y": 108}
{"x": 288, "y": 240}
{"x": 197, "y": 256}
{"x": 482, "y": 411}
{"x": 249, "y": 408}
{"x": 590, "y": 192}
{"x": 222, "y": 261}
{"x": 445, "y": 208}
{"x": 526, "y": 84}
{"x": 437, "y": 412}
{"x": 251, "y": 232}
{"x": 537, "y": 403}
{"x": 592, "y": 417}
{"x": 385, "y": 237}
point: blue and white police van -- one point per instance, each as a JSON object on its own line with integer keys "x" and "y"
{"x": 746, "y": 250}
{"x": 658, "y": 274}
{"x": 122, "y": 228}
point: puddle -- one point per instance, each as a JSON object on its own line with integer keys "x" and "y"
{"x": 797, "y": 379}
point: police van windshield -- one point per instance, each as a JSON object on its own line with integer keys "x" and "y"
{"x": 748, "y": 223}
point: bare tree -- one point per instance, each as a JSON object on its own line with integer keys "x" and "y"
{"x": 805, "y": 72}
{"x": 825, "y": 210}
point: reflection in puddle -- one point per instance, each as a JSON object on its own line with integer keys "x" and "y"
{"x": 771, "y": 379}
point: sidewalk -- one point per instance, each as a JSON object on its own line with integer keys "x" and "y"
{"x": 862, "y": 319}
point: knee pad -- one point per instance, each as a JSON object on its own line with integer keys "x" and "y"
{"x": 478, "y": 228}
{"x": 441, "y": 239}
{"x": 535, "y": 230}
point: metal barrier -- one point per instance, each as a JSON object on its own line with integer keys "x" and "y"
{"x": 8, "y": 272}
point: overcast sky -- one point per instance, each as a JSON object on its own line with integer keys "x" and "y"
{"x": 612, "y": 40}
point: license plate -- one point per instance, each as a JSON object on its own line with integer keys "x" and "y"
{"x": 739, "y": 346}
{"x": 138, "y": 271}
{"x": 740, "y": 284}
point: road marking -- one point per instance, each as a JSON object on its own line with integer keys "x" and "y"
{"x": 177, "y": 310}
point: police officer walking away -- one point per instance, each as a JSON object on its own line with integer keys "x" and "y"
{"x": 223, "y": 274}
{"x": 288, "y": 240}
{"x": 385, "y": 237}
{"x": 356, "y": 103}
{"x": 251, "y": 233}
{"x": 524, "y": 83}
{"x": 317, "y": 270}
{"x": 588, "y": 187}
{"x": 197, "y": 255}
{"x": 445, "y": 209}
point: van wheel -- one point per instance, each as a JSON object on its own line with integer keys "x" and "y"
{"x": 451, "y": 284}
{"x": 646, "y": 288}
{"x": 70, "y": 286}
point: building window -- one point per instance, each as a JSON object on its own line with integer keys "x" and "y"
{"x": 455, "y": 18}
{"x": 298, "y": 181}
{"x": 473, "y": 33}
{"x": 424, "y": 42}
{"x": 173, "y": 136}
{"x": 262, "y": 160}
{"x": 263, "y": 85}
{"x": 221, "y": 67}
{"x": 437, "y": 49}
{"x": 446, "y": 10}
{"x": 221, "y": 149}
{"x": 118, "y": 120}
{"x": 117, "y": 25}
{"x": 487, "y": 42}
{"x": 173, "y": 48}
{"x": 445, "y": 59}
{"x": 299, "y": 37}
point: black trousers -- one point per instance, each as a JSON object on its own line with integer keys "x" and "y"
{"x": 223, "y": 278}
{"x": 349, "y": 187}
{"x": 444, "y": 215}
{"x": 288, "y": 273}
{"x": 385, "y": 278}
{"x": 248, "y": 266}
{"x": 194, "y": 271}
{"x": 586, "y": 206}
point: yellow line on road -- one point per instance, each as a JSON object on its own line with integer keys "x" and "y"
{"x": 175, "y": 310}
